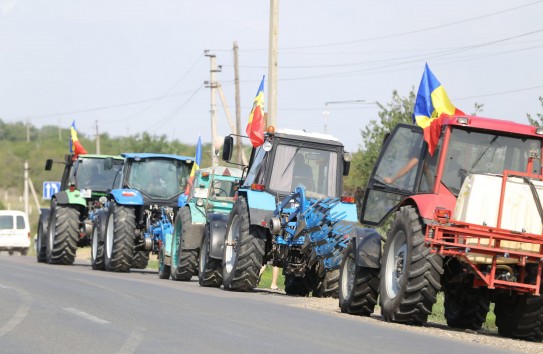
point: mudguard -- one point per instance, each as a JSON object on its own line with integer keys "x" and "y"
{"x": 197, "y": 214}
{"x": 266, "y": 203}
{"x": 368, "y": 248}
{"x": 217, "y": 234}
{"x": 127, "y": 196}
{"x": 182, "y": 200}
{"x": 70, "y": 197}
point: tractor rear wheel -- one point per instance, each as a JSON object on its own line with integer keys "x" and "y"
{"x": 358, "y": 286}
{"x": 466, "y": 308}
{"x": 140, "y": 259}
{"x": 63, "y": 234}
{"x": 328, "y": 285}
{"x": 41, "y": 243}
{"x": 186, "y": 261}
{"x": 210, "y": 269}
{"x": 243, "y": 250}
{"x": 520, "y": 317}
{"x": 119, "y": 240}
{"x": 410, "y": 273}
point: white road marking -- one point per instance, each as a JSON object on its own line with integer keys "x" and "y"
{"x": 85, "y": 315}
{"x": 4, "y": 286}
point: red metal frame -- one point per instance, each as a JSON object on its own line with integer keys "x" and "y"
{"x": 459, "y": 239}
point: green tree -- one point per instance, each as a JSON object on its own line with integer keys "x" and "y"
{"x": 399, "y": 110}
{"x": 539, "y": 121}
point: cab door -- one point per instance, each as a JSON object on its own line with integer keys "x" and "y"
{"x": 382, "y": 196}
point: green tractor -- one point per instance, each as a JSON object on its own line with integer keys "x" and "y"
{"x": 68, "y": 223}
{"x": 210, "y": 201}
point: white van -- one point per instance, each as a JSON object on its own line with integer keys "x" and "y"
{"x": 14, "y": 231}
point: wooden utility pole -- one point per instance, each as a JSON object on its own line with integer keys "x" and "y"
{"x": 25, "y": 192}
{"x": 272, "y": 63}
{"x": 97, "y": 140}
{"x": 238, "y": 104}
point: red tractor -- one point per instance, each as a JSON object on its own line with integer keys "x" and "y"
{"x": 467, "y": 221}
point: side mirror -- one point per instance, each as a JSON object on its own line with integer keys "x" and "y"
{"x": 48, "y": 164}
{"x": 68, "y": 158}
{"x": 108, "y": 163}
{"x": 227, "y": 148}
{"x": 346, "y": 167}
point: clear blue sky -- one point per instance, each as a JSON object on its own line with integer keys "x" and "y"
{"x": 139, "y": 65}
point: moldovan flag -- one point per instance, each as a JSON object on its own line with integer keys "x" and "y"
{"x": 256, "y": 126}
{"x": 75, "y": 145}
{"x": 196, "y": 165}
{"x": 431, "y": 106}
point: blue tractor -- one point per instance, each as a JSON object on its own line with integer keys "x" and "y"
{"x": 288, "y": 211}
{"x": 139, "y": 212}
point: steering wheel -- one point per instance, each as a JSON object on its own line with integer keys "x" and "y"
{"x": 219, "y": 191}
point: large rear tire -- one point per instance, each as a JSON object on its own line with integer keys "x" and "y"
{"x": 243, "y": 250}
{"x": 186, "y": 260}
{"x": 358, "y": 286}
{"x": 410, "y": 273}
{"x": 328, "y": 285}
{"x": 210, "y": 269}
{"x": 520, "y": 317}
{"x": 41, "y": 243}
{"x": 140, "y": 259}
{"x": 119, "y": 241}
{"x": 466, "y": 308}
{"x": 63, "y": 234}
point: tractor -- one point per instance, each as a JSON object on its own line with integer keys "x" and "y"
{"x": 68, "y": 223}
{"x": 209, "y": 203}
{"x": 138, "y": 213}
{"x": 274, "y": 221}
{"x": 467, "y": 220}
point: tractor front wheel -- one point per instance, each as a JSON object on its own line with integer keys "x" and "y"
{"x": 41, "y": 243}
{"x": 410, "y": 273}
{"x": 185, "y": 264}
{"x": 520, "y": 317}
{"x": 243, "y": 250}
{"x": 97, "y": 247}
{"x": 210, "y": 269}
{"x": 163, "y": 269}
{"x": 466, "y": 308}
{"x": 119, "y": 241}
{"x": 358, "y": 286}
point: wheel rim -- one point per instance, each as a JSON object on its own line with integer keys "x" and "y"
{"x": 347, "y": 276}
{"x": 109, "y": 237}
{"x": 94, "y": 249}
{"x": 230, "y": 253}
{"x": 395, "y": 264}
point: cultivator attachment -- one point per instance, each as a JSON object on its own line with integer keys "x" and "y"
{"x": 311, "y": 225}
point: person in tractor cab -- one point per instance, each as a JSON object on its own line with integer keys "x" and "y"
{"x": 302, "y": 172}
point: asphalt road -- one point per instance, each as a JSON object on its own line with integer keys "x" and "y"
{"x": 73, "y": 309}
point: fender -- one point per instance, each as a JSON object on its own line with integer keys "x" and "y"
{"x": 70, "y": 197}
{"x": 197, "y": 214}
{"x": 127, "y": 196}
{"x": 194, "y": 240}
{"x": 368, "y": 248}
{"x": 182, "y": 200}
{"x": 266, "y": 203}
{"x": 217, "y": 233}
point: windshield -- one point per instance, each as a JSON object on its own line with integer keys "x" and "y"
{"x": 158, "y": 178}
{"x": 90, "y": 174}
{"x": 315, "y": 169}
{"x": 487, "y": 152}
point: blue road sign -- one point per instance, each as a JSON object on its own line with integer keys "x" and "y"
{"x": 50, "y": 188}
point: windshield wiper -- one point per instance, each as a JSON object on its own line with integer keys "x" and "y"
{"x": 482, "y": 153}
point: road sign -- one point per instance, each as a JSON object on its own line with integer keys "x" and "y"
{"x": 50, "y": 188}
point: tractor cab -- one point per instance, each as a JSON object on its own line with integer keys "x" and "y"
{"x": 468, "y": 145}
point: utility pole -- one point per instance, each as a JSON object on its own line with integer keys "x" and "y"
{"x": 272, "y": 63}
{"x": 25, "y": 192}
{"x": 213, "y": 85}
{"x": 97, "y": 140}
{"x": 27, "y": 130}
{"x": 238, "y": 103}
